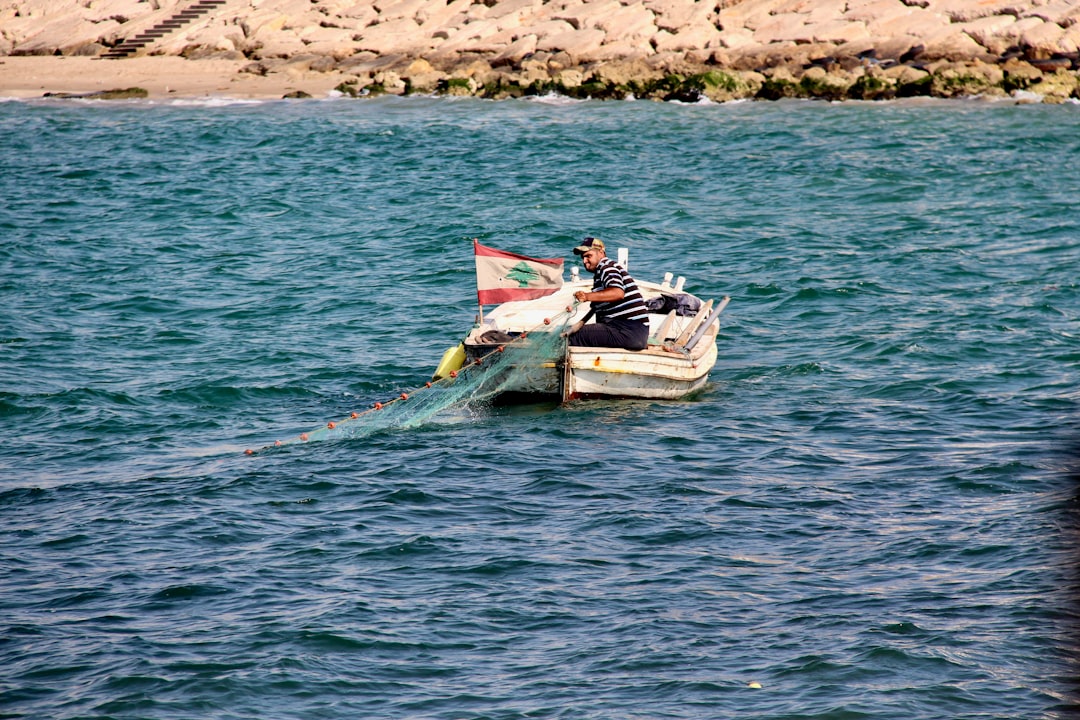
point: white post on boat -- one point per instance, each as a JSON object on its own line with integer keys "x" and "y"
{"x": 666, "y": 285}
{"x": 574, "y": 273}
{"x": 679, "y": 283}
{"x": 624, "y": 258}
{"x": 707, "y": 324}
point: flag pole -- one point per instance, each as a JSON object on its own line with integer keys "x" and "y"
{"x": 480, "y": 305}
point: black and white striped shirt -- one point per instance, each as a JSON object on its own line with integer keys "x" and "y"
{"x": 631, "y": 308}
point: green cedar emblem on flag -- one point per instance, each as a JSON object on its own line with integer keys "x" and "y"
{"x": 522, "y": 273}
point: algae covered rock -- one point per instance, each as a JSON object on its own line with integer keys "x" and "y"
{"x": 131, "y": 93}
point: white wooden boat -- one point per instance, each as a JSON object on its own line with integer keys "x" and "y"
{"x": 681, "y": 352}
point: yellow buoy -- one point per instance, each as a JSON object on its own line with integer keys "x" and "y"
{"x": 452, "y": 360}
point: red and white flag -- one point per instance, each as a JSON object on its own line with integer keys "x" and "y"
{"x": 503, "y": 276}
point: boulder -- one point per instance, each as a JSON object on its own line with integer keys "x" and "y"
{"x": 69, "y": 31}
{"x": 1042, "y": 40}
{"x": 390, "y": 82}
{"x": 362, "y": 14}
{"x": 963, "y": 11}
{"x": 905, "y": 74}
{"x": 399, "y": 9}
{"x": 988, "y": 32}
{"x": 1057, "y": 87}
{"x": 578, "y": 44}
{"x": 953, "y": 44}
{"x": 516, "y": 51}
{"x": 622, "y": 72}
{"x": 783, "y": 26}
{"x": 736, "y": 38}
{"x": 628, "y": 50}
{"x": 960, "y": 79}
{"x": 391, "y": 37}
{"x": 633, "y": 22}
{"x": 1019, "y": 75}
{"x": 700, "y": 36}
{"x": 673, "y": 15}
{"x": 879, "y": 11}
{"x": 917, "y": 22}
{"x": 278, "y": 45}
{"x": 443, "y": 16}
{"x": 895, "y": 48}
{"x": 838, "y": 32}
{"x": 588, "y": 15}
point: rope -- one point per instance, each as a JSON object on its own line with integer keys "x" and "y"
{"x": 450, "y": 379}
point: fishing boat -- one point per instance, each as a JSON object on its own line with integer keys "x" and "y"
{"x": 676, "y": 363}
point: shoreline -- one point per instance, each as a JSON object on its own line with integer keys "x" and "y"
{"x": 683, "y": 50}
{"x": 172, "y": 77}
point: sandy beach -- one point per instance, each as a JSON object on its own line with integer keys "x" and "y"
{"x": 160, "y": 76}
{"x": 657, "y": 49}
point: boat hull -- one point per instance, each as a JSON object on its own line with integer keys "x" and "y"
{"x": 665, "y": 370}
{"x": 654, "y": 373}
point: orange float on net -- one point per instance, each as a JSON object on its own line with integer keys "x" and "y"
{"x": 427, "y": 384}
{"x": 331, "y": 425}
{"x": 547, "y": 321}
{"x": 453, "y": 373}
{"x": 478, "y": 361}
{"x": 249, "y": 451}
{"x": 377, "y": 406}
{"x": 502, "y": 348}
{"x": 404, "y": 396}
{"x": 303, "y": 436}
{"x": 277, "y": 443}
{"x": 355, "y": 415}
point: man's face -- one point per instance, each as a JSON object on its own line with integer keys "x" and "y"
{"x": 591, "y": 258}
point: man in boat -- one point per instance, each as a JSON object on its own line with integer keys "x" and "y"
{"x": 622, "y": 321}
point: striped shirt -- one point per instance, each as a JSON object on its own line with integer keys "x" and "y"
{"x": 631, "y": 308}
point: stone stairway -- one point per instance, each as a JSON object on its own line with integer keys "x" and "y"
{"x": 132, "y": 45}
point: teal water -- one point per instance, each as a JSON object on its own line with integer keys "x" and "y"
{"x": 869, "y": 512}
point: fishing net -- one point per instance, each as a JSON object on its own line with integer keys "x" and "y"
{"x": 468, "y": 391}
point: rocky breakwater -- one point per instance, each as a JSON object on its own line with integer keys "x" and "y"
{"x": 662, "y": 49}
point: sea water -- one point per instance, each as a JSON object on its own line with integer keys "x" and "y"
{"x": 868, "y": 513}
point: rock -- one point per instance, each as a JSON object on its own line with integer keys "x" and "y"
{"x": 587, "y": 15}
{"x": 632, "y": 23}
{"x": 390, "y": 82}
{"x": 278, "y": 45}
{"x": 1039, "y": 40}
{"x": 131, "y": 93}
{"x": 987, "y": 32}
{"x": 391, "y": 37}
{"x": 696, "y": 36}
{"x": 876, "y": 11}
{"x": 819, "y": 83}
{"x": 963, "y": 11}
{"x": 951, "y": 79}
{"x": 516, "y": 51}
{"x": 674, "y": 16}
{"x": 839, "y": 32}
{"x": 578, "y": 44}
{"x": 953, "y": 44}
{"x": 624, "y": 72}
{"x": 1019, "y": 75}
{"x": 785, "y": 26}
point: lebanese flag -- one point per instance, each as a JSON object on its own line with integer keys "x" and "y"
{"x": 503, "y": 276}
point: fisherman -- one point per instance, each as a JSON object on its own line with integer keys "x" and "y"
{"x": 622, "y": 320}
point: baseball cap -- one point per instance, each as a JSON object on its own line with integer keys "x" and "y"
{"x": 589, "y": 243}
